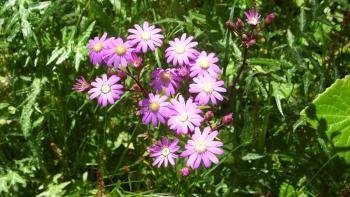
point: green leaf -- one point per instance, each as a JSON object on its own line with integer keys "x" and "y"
{"x": 287, "y": 190}
{"x": 290, "y": 38}
{"x": 330, "y": 113}
{"x": 25, "y": 119}
{"x": 252, "y": 156}
{"x": 55, "y": 53}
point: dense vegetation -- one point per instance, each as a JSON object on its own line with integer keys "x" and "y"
{"x": 289, "y": 135}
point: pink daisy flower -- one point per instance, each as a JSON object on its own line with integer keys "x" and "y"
{"x": 146, "y": 37}
{"x": 117, "y": 52}
{"x": 202, "y": 148}
{"x": 205, "y": 63}
{"x": 106, "y": 90}
{"x": 164, "y": 152}
{"x": 253, "y": 17}
{"x": 207, "y": 87}
{"x": 81, "y": 85}
{"x": 181, "y": 50}
{"x": 154, "y": 108}
{"x": 184, "y": 115}
{"x": 135, "y": 60}
{"x": 96, "y": 46}
{"x": 167, "y": 79}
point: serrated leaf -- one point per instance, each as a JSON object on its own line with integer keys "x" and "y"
{"x": 55, "y": 53}
{"x": 25, "y": 119}
{"x": 64, "y": 56}
{"x": 87, "y": 33}
{"x": 330, "y": 113}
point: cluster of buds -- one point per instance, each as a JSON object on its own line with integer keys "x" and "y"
{"x": 248, "y": 36}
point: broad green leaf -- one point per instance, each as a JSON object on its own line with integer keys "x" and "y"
{"x": 287, "y": 190}
{"x": 330, "y": 112}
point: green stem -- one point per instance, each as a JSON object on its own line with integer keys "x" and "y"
{"x": 126, "y": 149}
{"x": 265, "y": 124}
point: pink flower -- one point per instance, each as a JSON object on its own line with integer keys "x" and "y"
{"x": 183, "y": 71}
{"x": 81, "y": 85}
{"x": 207, "y": 87}
{"x": 146, "y": 37}
{"x": 165, "y": 79}
{"x": 185, "y": 171}
{"x": 253, "y": 17}
{"x": 96, "y": 46}
{"x": 117, "y": 52}
{"x": 205, "y": 64}
{"x": 154, "y": 108}
{"x": 202, "y": 148}
{"x": 164, "y": 152}
{"x": 106, "y": 90}
{"x": 135, "y": 61}
{"x": 181, "y": 50}
{"x": 184, "y": 115}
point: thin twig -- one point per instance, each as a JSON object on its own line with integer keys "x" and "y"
{"x": 137, "y": 82}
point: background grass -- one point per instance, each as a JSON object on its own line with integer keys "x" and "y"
{"x": 54, "y": 141}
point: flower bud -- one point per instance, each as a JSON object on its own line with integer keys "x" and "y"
{"x": 110, "y": 72}
{"x": 185, "y": 171}
{"x": 239, "y": 23}
{"x": 208, "y": 116}
{"x": 122, "y": 75}
{"x": 136, "y": 87}
{"x": 227, "y": 119}
{"x": 270, "y": 18}
{"x": 244, "y": 37}
{"x": 183, "y": 71}
{"x": 230, "y": 25}
{"x": 251, "y": 42}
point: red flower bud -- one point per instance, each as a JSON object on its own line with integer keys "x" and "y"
{"x": 230, "y": 25}
{"x": 239, "y": 23}
{"x": 270, "y": 18}
{"x": 209, "y": 116}
{"x": 251, "y": 42}
{"x": 122, "y": 75}
{"x": 227, "y": 119}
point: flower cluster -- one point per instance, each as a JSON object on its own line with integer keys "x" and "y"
{"x": 248, "y": 36}
{"x": 174, "y": 96}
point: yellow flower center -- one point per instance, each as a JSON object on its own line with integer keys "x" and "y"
{"x": 200, "y": 146}
{"x": 165, "y": 151}
{"x": 120, "y": 50}
{"x": 166, "y": 76}
{"x": 105, "y": 89}
{"x": 207, "y": 87}
{"x": 154, "y": 106}
{"x": 183, "y": 117}
{"x": 204, "y": 63}
{"x": 98, "y": 47}
{"x": 146, "y": 36}
{"x": 179, "y": 49}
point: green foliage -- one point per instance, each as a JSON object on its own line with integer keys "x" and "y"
{"x": 329, "y": 113}
{"x": 54, "y": 142}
